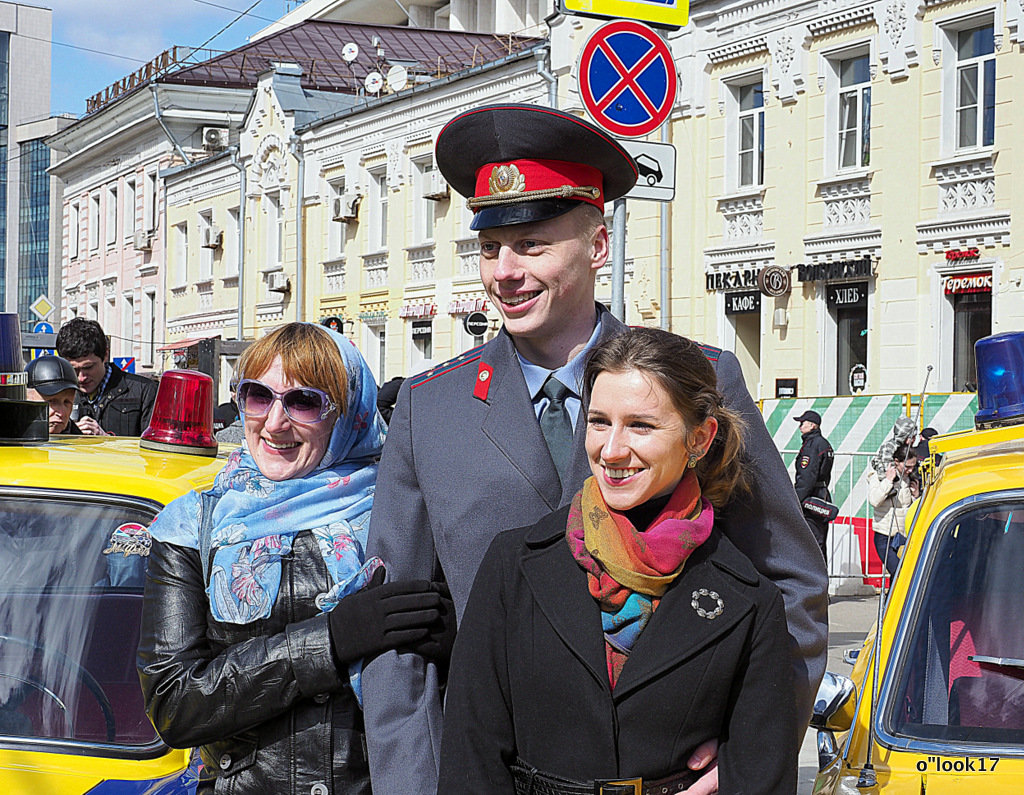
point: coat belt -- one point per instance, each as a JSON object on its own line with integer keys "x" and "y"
{"x": 531, "y": 781}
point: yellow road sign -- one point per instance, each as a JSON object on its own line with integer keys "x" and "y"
{"x": 666, "y": 13}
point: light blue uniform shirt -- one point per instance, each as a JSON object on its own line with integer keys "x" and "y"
{"x": 570, "y": 374}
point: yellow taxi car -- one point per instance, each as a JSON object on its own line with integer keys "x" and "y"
{"x": 938, "y": 705}
{"x": 74, "y": 513}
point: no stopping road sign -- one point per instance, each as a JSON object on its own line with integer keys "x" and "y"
{"x": 627, "y": 78}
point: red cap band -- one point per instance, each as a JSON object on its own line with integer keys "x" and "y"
{"x": 518, "y": 179}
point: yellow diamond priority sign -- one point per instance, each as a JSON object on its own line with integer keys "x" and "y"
{"x": 42, "y": 307}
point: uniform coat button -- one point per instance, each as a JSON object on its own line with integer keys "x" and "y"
{"x": 318, "y": 789}
{"x": 224, "y": 761}
{"x": 321, "y": 698}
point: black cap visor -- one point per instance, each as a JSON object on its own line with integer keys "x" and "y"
{"x": 521, "y": 213}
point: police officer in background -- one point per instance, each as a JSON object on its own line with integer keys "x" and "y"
{"x": 814, "y": 471}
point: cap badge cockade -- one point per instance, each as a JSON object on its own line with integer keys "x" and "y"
{"x": 507, "y": 179}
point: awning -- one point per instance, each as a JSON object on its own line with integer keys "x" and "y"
{"x": 188, "y": 342}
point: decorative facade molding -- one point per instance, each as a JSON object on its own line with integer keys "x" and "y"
{"x": 394, "y": 148}
{"x": 843, "y": 247}
{"x": 334, "y": 276}
{"x": 965, "y": 184}
{"x": 839, "y": 20}
{"x": 788, "y": 51}
{"x": 727, "y": 259}
{"x": 375, "y": 270}
{"x": 737, "y": 49}
{"x": 270, "y": 312}
{"x": 1013, "y": 17}
{"x": 742, "y": 216}
{"x": 421, "y": 263}
{"x": 468, "y": 253}
{"x": 981, "y": 231}
{"x": 899, "y": 35}
{"x": 847, "y": 202}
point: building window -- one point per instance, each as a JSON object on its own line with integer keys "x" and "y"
{"x": 336, "y": 229}
{"x": 854, "y": 113}
{"x": 230, "y": 244}
{"x": 750, "y": 134}
{"x": 272, "y": 244}
{"x": 970, "y": 295}
{"x": 180, "y": 274}
{"x": 151, "y": 202}
{"x": 975, "y": 87}
{"x": 94, "y": 221}
{"x": 33, "y": 227}
{"x": 205, "y": 253}
{"x": 127, "y": 324}
{"x": 74, "y": 229}
{"x": 111, "y": 226}
{"x": 423, "y": 212}
{"x": 379, "y": 221}
{"x": 129, "y": 209}
{"x": 376, "y": 349}
{"x": 147, "y": 337}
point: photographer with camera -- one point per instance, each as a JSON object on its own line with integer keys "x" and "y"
{"x": 889, "y": 497}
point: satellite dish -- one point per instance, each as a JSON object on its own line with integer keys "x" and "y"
{"x": 398, "y": 78}
{"x": 374, "y": 82}
{"x": 350, "y": 52}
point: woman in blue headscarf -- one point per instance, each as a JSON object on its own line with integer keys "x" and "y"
{"x": 259, "y": 604}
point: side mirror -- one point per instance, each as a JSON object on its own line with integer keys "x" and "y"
{"x": 835, "y": 704}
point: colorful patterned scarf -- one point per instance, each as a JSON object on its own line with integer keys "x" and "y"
{"x": 628, "y": 571}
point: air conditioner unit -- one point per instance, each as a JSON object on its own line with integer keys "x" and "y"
{"x": 212, "y": 237}
{"x": 278, "y": 282}
{"x": 215, "y": 138}
{"x": 345, "y": 207}
{"x": 436, "y": 188}
{"x": 143, "y": 240}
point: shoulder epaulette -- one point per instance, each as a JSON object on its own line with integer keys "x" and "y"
{"x": 710, "y": 351}
{"x": 469, "y": 356}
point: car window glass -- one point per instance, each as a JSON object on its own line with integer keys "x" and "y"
{"x": 961, "y": 677}
{"x": 72, "y": 572}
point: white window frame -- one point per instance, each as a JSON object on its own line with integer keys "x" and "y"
{"x": 336, "y": 230}
{"x": 111, "y": 225}
{"x": 74, "y": 229}
{"x": 424, "y": 219}
{"x": 859, "y": 94}
{"x": 94, "y": 221}
{"x": 230, "y": 243}
{"x": 947, "y": 31}
{"x": 829, "y": 65}
{"x": 205, "y": 254}
{"x": 732, "y": 86}
{"x": 273, "y": 216}
{"x": 128, "y": 217}
{"x": 127, "y": 323}
{"x": 151, "y": 199}
{"x": 148, "y": 327}
{"x": 180, "y": 274}
{"x": 379, "y": 211}
{"x": 979, "y": 65}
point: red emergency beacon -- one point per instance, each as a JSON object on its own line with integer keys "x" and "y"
{"x": 182, "y": 420}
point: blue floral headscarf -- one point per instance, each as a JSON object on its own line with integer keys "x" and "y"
{"x": 255, "y": 519}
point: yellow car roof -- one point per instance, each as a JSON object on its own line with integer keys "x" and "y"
{"x": 107, "y": 465}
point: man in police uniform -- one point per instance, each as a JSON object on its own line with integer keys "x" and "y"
{"x": 814, "y": 471}
{"x": 473, "y": 446}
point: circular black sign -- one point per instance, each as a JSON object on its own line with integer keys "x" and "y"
{"x": 476, "y": 323}
{"x": 858, "y": 378}
{"x": 774, "y": 280}
{"x": 333, "y": 323}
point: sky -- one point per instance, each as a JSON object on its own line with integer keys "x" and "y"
{"x": 97, "y": 42}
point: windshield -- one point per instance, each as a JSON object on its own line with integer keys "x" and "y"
{"x": 72, "y": 570}
{"x": 962, "y": 676}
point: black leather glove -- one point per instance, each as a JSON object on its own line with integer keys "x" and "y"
{"x": 383, "y": 616}
{"x": 437, "y": 646}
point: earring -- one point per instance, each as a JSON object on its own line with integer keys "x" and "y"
{"x": 694, "y": 458}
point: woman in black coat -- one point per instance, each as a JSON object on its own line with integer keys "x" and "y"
{"x": 612, "y": 638}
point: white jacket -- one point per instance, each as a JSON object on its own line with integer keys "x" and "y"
{"x": 890, "y": 506}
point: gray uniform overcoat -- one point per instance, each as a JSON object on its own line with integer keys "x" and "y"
{"x": 465, "y": 459}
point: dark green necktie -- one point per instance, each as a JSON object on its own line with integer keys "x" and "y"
{"x": 556, "y": 425}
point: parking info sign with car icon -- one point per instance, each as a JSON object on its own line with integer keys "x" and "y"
{"x": 656, "y": 163}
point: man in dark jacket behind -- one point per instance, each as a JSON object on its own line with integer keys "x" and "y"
{"x": 110, "y": 401}
{"x": 814, "y": 471}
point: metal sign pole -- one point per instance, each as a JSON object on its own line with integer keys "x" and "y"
{"x": 618, "y": 306}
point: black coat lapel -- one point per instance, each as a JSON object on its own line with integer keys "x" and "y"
{"x": 559, "y": 587}
{"x": 511, "y": 423}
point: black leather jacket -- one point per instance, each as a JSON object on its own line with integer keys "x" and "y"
{"x": 265, "y": 702}
{"x": 125, "y": 405}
